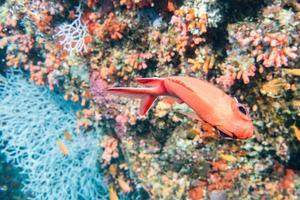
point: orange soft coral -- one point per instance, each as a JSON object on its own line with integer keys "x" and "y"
{"x": 198, "y": 192}
{"x": 189, "y": 28}
{"x": 138, "y": 60}
{"x": 112, "y": 28}
{"x": 111, "y": 151}
{"x": 42, "y": 20}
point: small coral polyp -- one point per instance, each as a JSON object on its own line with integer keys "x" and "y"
{"x": 137, "y": 60}
{"x": 266, "y": 42}
{"x": 240, "y": 67}
{"x": 280, "y": 51}
{"x": 110, "y": 146}
{"x": 189, "y": 28}
{"x": 272, "y": 49}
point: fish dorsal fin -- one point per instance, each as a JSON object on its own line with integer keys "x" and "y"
{"x": 150, "y": 81}
{"x": 146, "y": 103}
{"x": 180, "y": 83}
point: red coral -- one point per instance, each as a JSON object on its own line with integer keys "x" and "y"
{"x": 287, "y": 181}
{"x": 42, "y": 20}
{"x": 198, "y": 192}
{"x": 221, "y": 182}
{"x": 92, "y": 3}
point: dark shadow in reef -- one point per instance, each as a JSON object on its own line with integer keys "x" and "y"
{"x": 2, "y": 60}
{"x": 239, "y": 10}
{"x": 10, "y": 180}
{"x": 233, "y": 11}
{"x": 294, "y": 161}
{"x": 2, "y": 2}
{"x": 294, "y": 151}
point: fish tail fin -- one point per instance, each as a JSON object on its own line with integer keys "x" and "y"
{"x": 147, "y": 95}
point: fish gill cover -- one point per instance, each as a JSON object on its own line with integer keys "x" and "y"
{"x": 32, "y": 126}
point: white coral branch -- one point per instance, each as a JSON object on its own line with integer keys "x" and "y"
{"x": 71, "y": 36}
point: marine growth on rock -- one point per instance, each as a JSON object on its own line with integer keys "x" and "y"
{"x": 93, "y": 145}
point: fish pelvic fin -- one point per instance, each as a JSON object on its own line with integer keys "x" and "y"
{"x": 193, "y": 116}
{"x": 146, "y": 104}
{"x": 147, "y": 94}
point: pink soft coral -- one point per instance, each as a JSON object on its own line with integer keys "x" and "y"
{"x": 98, "y": 89}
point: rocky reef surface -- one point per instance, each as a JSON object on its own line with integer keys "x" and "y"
{"x": 248, "y": 48}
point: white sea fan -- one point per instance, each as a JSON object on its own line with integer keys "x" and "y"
{"x": 32, "y": 120}
{"x": 71, "y": 36}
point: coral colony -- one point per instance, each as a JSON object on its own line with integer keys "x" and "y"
{"x": 72, "y": 36}
{"x": 36, "y": 132}
{"x": 72, "y": 139}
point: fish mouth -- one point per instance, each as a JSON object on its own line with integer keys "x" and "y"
{"x": 249, "y": 133}
{"x": 226, "y": 136}
{"x": 239, "y": 135}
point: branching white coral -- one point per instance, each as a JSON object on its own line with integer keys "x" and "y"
{"x": 72, "y": 36}
{"x": 32, "y": 120}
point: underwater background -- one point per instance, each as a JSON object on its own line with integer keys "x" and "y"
{"x": 64, "y": 136}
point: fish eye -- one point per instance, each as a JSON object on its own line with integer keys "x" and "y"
{"x": 242, "y": 109}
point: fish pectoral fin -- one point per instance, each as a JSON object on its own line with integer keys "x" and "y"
{"x": 146, "y": 103}
{"x": 172, "y": 100}
{"x": 178, "y": 100}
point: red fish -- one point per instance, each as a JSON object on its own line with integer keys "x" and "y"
{"x": 210, "y": 103}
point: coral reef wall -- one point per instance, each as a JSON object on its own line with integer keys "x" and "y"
{"x": 38, "y": 133}
{"x": 248, "y": 48}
